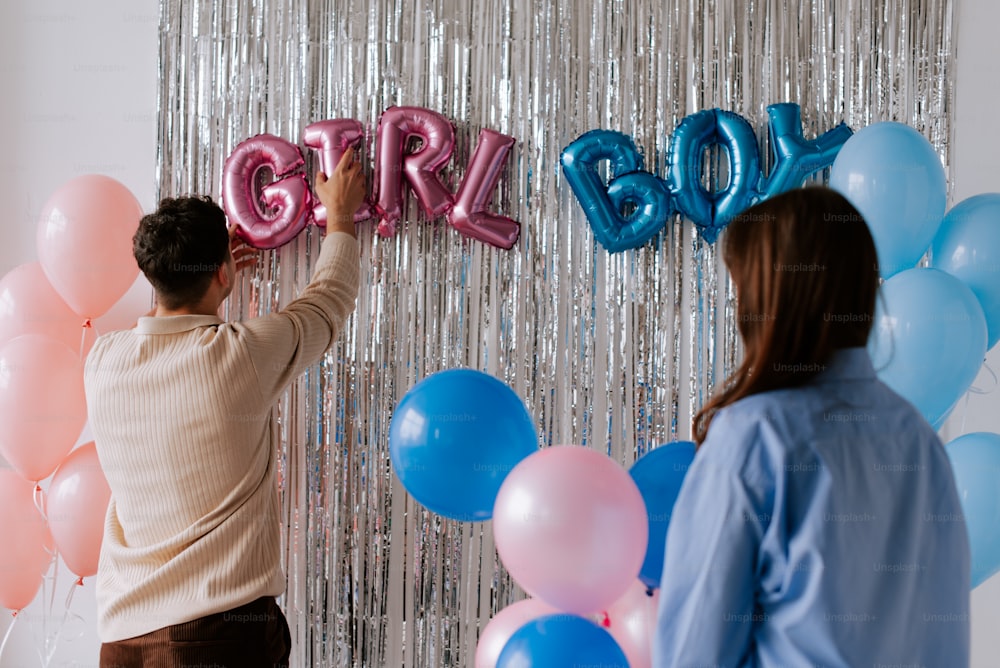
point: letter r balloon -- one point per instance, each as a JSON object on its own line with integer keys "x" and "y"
{"x": 421, "y": 166}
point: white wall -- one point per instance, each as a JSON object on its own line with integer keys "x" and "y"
{"x": 976, "y": 169}
{"x": 78, "y": 82}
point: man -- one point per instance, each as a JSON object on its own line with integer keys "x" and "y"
{"x": 181, "y": 411}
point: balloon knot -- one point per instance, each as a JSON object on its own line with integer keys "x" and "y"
{"x": 79, "y": 580}
{"x": 606, "y": 621}
{"x": 87, "y": 324}
{"x": 38, "y": 488}
{"x": 13, "y": 613}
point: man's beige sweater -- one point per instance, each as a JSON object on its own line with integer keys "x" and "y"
{"x": 181, "y": 411}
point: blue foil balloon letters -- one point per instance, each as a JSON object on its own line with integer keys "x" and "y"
{"x": 651, "y": 201}
{"x": 795, "y": 158}
{"x": 711, "y": 211}
{"x": 602, "y": 203}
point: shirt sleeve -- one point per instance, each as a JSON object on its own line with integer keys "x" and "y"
{"x": 706, "y": 609}
{"x": 284, "y": 344}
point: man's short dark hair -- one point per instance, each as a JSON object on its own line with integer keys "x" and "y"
{"x": 180, "y": 246}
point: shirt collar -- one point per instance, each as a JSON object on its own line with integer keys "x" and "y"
{"x": 848, "y": 364}
{"x": 174, "y": 324}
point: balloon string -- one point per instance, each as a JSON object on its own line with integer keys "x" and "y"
{"x": 39, "y": 501}
{"x": 993, "y": 377}
{"x": 49, "y": 586}
{"x": 87, "y": 324}
{"x": 980, "y": 391}
{"x": 52, "y": 644}
{"x": 69, "y": 595}
{"x": 965, "y": 411}
{"x": 6, "y": 636}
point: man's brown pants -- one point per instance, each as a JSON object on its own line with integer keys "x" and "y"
{"x": 254, "y": 635}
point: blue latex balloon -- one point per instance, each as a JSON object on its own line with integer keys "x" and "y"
{"x": 928, "y": 340}
{"x": 968, "y": 246}
{"x": 894, "y": 178}
{"x": 604, "y": 203}
{"x": 561, "y": 641}
{"x": 975, "y": 460}
{"x": 658, "y": 474}
{"x": 711, "y": 212}
{"x": 794, "y": 158}
{"x": 454, "y": 437}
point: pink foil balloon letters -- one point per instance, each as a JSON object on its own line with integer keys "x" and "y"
{"x": 469, "y": 214}
{"x": 279, "y": 211}
{"x": 331, "y": 139}
{"x": 421, "y": 167}
{"x": 413, "y": 145}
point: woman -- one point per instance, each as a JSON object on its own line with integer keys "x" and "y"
{"x": 819, "y": 524}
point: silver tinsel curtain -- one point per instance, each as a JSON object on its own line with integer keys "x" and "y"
{"x": 611, "y": 351}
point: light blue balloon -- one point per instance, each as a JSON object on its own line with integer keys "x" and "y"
{"x": 928, "y": 340}
{"x": 968, "y": 246}
{"x": 561, "y": 641}
{"x": 894, "y": 177}
{"x": 975, "y": 460}
{"x": 454, "y": 438}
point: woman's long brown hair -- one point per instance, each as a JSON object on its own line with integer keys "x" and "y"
{"x": 806, "y": 277}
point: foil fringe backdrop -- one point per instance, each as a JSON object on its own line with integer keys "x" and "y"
{"x": 611, "y": 351}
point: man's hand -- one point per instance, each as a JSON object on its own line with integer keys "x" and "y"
{"x": 342, "y": 193}
{"x": 244, "y": 255}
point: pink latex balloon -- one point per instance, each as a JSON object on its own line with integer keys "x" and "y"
{"x": 27, "y": 549}
{"x": 469, "y": 215}
{"x": 271, "y": 216}
{"x": 570, "y": 526}
{"x": 30, "y": 305}
{"x": 396, "y": 128}
{"x": 631, "y": 621}
{"x": 42, "y": 404}
{"x": 499, "y": 629}
{"x": 331, "y": 138}
{"x": 77, "y": 503}
{"x": 137, "y": 302}
{"x": 85, "y": 242}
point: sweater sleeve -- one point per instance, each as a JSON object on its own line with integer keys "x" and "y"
{"x": 284, "y": 344}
